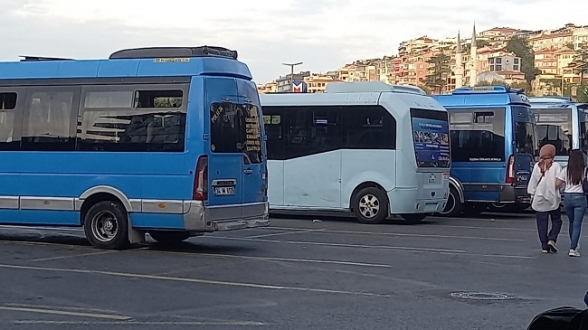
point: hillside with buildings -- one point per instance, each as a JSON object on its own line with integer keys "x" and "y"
{"x": 545, "y": 62}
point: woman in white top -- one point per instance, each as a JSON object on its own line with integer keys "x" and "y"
{"x": 546, "y": 198}
{"x": 574, "y": 197}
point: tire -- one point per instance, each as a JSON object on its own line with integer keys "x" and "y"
{"x": 370, "y": 205}
{"x": 412, "y": 219}
{"x": 454, "y": 207}
{"x": 169, "y": 237}
{"x": 106, "y": 225}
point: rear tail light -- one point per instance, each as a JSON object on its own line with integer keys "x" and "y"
{"x": 510, "y": 170}
{"x": 246, "y": 160}
{"x": 200, "y": 192}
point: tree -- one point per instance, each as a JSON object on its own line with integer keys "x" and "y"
{"x": 520, "y": 47}
{"x": 437, "y": 79}
{"x": 491, "y": 83}
{"x": 480, "y": 43}
{"x": 580, "y": 62}
{"x": 583, "y": 94}
{"x": 425, "y": 89}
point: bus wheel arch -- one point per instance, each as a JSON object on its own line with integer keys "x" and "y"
{"x": 454, "y": 205}
{"x": 101, "y": 211}
{"x": 374, "y": 197}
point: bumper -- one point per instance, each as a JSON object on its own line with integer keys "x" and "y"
{"x": 510, "y": 194}
{"x": 418, "y": 206}
{"x": 200, "y": 218}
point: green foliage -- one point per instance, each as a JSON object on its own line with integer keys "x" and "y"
{"x": 583, "y": 93}
{"x": 580, "y": 61}
{"x": 491, "y": 83}
{"x": 167, "y": 102}
{"x": 520, "y": 46}
{"x": 426, "y": 89}
{"x": 437, "y": 79}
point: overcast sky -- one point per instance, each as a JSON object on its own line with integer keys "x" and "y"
{"x": 324, "y": 34}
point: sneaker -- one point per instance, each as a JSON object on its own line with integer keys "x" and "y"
{"x": 574, "y": 253}
{"x": 551, "y": 245}
{"x": 545, "y": 251}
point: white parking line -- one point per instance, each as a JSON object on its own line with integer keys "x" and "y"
{"x": 381, "y": 247}
{"x": 146, "y": 323}
{"x": 191, "y": 280}
{"x": 384, "y": 247}
{"x": 285, "y": 233}
{"x": 73, "y": 256}
{"x": 369, "y": 233}
{"x": 64, "y": 313}
{"x": 317, "y": 261}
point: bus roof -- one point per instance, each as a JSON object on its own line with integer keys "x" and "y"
{"x": 552, "y": 99}
{"x": 483, "y": 96}
{"x": 370, "y": 86}
{"x": 555, "y": 102}
{"x": 355, "y": 93}
{"x": 136, "y": 62}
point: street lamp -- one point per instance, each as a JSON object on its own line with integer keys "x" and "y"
{"x": 292, "y": 65}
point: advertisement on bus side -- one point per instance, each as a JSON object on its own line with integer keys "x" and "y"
{"x": 431, "y": 142}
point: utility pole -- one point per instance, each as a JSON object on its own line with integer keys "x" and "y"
{"x": 292, "y": 65}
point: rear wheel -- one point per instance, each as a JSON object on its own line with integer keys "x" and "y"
{"x": 169, "y": 237}
{"x": 453, "y": 207}
{"x": 106, "y": 225}
{"x": 370, "y": 205}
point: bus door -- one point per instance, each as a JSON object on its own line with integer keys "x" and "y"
{"x": 520, "y": 165}
{"x": 254, "y": 160}
{"x": 226, "y": 139}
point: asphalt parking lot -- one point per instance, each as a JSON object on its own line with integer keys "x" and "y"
{"x": 310, "y": 273}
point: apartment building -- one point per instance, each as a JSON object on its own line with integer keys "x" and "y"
{"x": 317, "y": 83}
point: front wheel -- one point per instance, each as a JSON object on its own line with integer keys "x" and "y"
{"x": 106, "y": 225}
{"x": 370, "y": 205}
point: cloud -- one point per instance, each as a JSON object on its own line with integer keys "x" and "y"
{"x": 324, "y": 34}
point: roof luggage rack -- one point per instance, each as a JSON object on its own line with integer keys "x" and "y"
{"x": 174, "y": 52}
{"x": 40, "y": 58}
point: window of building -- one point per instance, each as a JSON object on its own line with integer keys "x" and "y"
{"x": 491, "y": 61}
{"x": 236, "y": 128}
{"x": 7, "y": 114}
{"x": 492, "y": 68}
{"x": 152, "y": 120}
{"x": 477, "y": 135}
{"x": 47, "y": 122}
{"x": 498, "y": 67}
{"x": 515, "y": 67}
{"x": 516, "y": 61}
{"x": 499, "y": 60}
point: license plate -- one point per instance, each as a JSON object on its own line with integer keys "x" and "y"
{"x": 224, "y": 191}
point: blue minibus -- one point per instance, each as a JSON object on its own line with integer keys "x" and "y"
{"x": 167, "y": 141}
{"x": 369, "y": 148}
{"x": 493, "y": 144}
